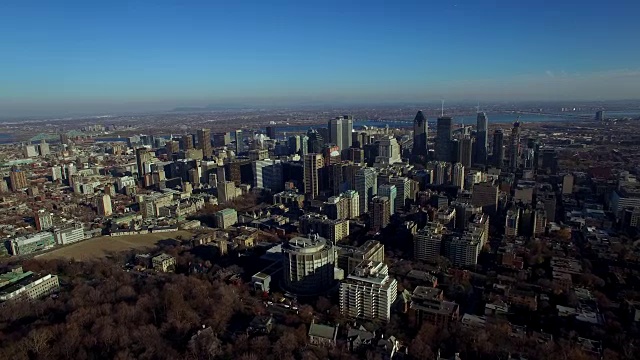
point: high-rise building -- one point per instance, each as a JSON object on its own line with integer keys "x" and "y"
{"x": 427, "y": 242}
{"x": 600, "y": 115}
{"x": 308, "y": 264}
{"x": 332, "y": 230}
{"x": 514, "y": 147}
{"x": 104, "y": 205}
{"x": 267, "y": 174}
{"x": 367, "y": 187}
{"x": 465, "y": 151}
{"x": 567, "y": 184}
{"x": 485, "y": 195}
{"x": 221, "y": 139}
{"x": 444, "y": 130}
{"x": 403, "y": 191}
{"x": 44, "y": 148}
{"x": 271, "y": 132}
{"x": 368, "y": 292}
{"x": 18, "y": 180}
{"x": 172, "y": 147}
{"x": 512, "y": 223}
{"x": 390, "y": 191}
{"x": 295, "y": 144}
{"x": 44, "y": 220}
{"x": 498, "y": 148}
{"x": 380, "y": 212}
{"x": 187, "y": 142}
{"x": 340, "y": 130}
{"x": 315, "y": 141}
{"x": 420, "y": 132}
{"x": 353, "y": 203}
{"x": 388, "y": 150}
{"x": 142, "y": 156}
{"x": 312, "y": 164}
{"x": 204, "y": 142}
{"x": 463, "y": 251}
{"x": 226, "y": 191}
{"x": 458, "y": 175}
{"x": 482, "y": 140}
{"x": 238, "y": 139}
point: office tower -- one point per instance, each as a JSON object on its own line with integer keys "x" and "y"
{"x": 390, "y": 191}
{"x": 388, "y": 150}
{"x": 308, "y": 264}
{"x": 294, "y": 144}
{"x": 443, "y": 139}
{"x": 600, "y": 115}
{"x": 238, "y": 139}
{"x": 403, "y": 191}
{"x": 380, "y": 212}
{"x": 356, "y": 155}
{"x": 482, "y": 139}
{"x": 44, "y": 220}
{"x": 304, "y": 145}
{"x": 56, "y": 173}
{"x": 367, "y": 187}
{"x": 512, "y": 222}
{"x": 550, "y": 160}
{"x": 340, "y": 130}
{"x": 104, "y": 205}
{"x": 221, "y": 139}
{"x": 172, "y": 147}
{"x": 187, "y": 142}
{"x": 331, "y": 154}
{"x": 312, "y": 164}
{"x": 498, "y": 148}
{"x": 267, "y": 174}
{"x": 30, "y": 151}
{"x": 465, "y": 148}
{"x": 485, "y": 195}
{"x": 420, "y": 131}
{"x": 353, "y": 204}
{"x": 142, "y": 156}
{"x": 44, "y": 148}
{"x": 458, "y": 175}
{"x": 368, "y": 292}
{"x": 514, "y": 147}
{"x": 204, "y": 142}
{"x": 427, "y": 242}
{"x": 18, "y": 180}
{"x": 315, "y": 141}
{"x": 337, "y": 208}
{"x": 567, "y": 184}
{"x": 271, "y": 132}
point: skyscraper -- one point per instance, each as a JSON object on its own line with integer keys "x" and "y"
{"x": 391, "y": 192}
{"x": 482, "y": 140}
{"x": 458, "y": 175}
{"x": 314, "y": 141}
{"x": 187, "y": 142}
{"x": 443, "y": 138}
{"x": 465, "y": 148}
{"x": 367, "y": 187}
{"x": 420, "y": 131}
{"x": 271, "y": 132}
{"x": 141, "y": 158}
{"x": 312, "y": 164}
{"x": 380, "y": 212}
{"x": 514, "y": 147}
{"x": 498, "y": 148}
{"x": 239, "y": 146}
{"x": 204, "y": 142}
{"x": 368, "y": 292}
{"x": 340, "y": 130}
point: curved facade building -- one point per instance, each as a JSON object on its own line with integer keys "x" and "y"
{"x": 308, "y": 264}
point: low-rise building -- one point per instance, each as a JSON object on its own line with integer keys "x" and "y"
{"x": 19, "y": 285}
{"x": 323, "y": 335}
{"x": 69, "y": 235}
{"x": 430, "y": 306}
{"x": 163, "y": 263}
{"x": 27, "y": 244}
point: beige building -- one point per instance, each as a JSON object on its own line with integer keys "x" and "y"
{"x": 163, "y": 263}
{"x": 312, "y": 165}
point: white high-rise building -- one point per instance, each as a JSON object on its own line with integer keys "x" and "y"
{"x": 56, "y": 173}
{"x": 268, "y": 175}
{"x": 458, "y": 175}
{"x": 368, "y": 292}
{"x": 340, "y": 130}
{"x": 353, "y": 204}
{"x": 403, "y": 191}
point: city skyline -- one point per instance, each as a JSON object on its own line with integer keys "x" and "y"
{"x": 90, "y": 57}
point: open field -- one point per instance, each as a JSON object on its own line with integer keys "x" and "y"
{"x": 103, "y": 245}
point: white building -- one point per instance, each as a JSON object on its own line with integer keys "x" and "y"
{"x": 390, "y": 191}
{"x": 368, "y": 292}
{"x": 308, "y": 264}
{"x": 69, "y": 235}
{"x": 458, "y": 176}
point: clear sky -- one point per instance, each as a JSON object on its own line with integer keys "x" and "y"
{"x": 65, "y": 56}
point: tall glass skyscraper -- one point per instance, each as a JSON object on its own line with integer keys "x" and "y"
{"x": 420, "y": 130}
{"x": 482, "y": 140}
{"x": 444, "y": 132}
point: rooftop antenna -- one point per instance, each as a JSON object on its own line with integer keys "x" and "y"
{"x": 442, "y": 109}
{"x": 478, "y": 107}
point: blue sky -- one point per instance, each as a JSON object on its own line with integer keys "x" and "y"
{"x": 63, "y": 55}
